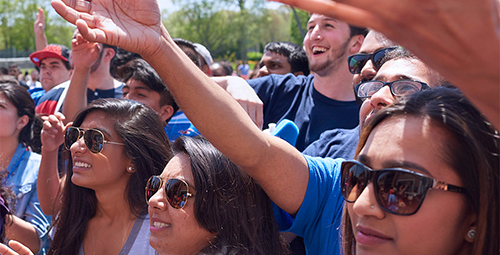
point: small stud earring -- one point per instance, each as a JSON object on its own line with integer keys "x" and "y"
{"x": 471, "y": 234}
{"x": 373, "y": 207}
{"x": 131, "y": 169}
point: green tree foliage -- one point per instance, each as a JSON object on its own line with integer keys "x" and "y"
{"x": 296, "y": 35}
{"x": 16, "y": 28}
{"x": 229, "y": 28}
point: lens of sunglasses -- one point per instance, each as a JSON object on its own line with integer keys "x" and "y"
{"x": 400, "y": 192}
{"x": 397, "y": 192}
{"x": 176, "y": 191}
{"x": 378, "y": 56}
{"x": 356, "y": 62}
{"x": 93, "y": 139}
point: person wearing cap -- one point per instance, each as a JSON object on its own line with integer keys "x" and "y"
{"x": 54, "y": 65}
{"x": 205, "y": 58}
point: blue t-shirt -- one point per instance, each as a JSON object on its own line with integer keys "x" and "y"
{"x": 319, "y": 217}
{"x": 336, "y": 143}
{"x": 179, "y": 125}
{"x": 295, "y": 98}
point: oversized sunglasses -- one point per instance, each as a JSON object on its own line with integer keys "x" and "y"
{"x": 176, "y": 190}
{"x": 398, "y": 88}
{"x": 357, "y": 61}
{"x": 398, "y": 191}
{"x": 93, "y": 138}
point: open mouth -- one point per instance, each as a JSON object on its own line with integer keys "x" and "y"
{"x": 316, "y": 50}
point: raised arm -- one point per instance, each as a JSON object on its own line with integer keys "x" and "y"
{"x": 39, "y": 29}
{"x": 279, "y": 168}
{"x": 84, "y": 54}
{"x": 49, "y": 183}
{"x": 18, "y": 229}
{"x": 457, "y": 38}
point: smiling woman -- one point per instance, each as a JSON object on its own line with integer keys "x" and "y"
{"x": 445, "y": 196}
{"x": 202, "y": 202}
{"x": 114, "y": 146}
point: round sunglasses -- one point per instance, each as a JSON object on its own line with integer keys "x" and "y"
{"x": 398, "y": 88}
{"x": 398, "y": 191}
{"x": 93, "y": 138}
{"x": 176, "y": 190}
{"x": 357, "y": 61}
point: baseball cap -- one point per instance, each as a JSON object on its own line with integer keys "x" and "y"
{"x": 204, "y": 53}
{"x": 50, "y": 51}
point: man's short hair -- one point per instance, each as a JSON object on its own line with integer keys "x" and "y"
{"x": 185, "y": 43}
{"x": 140, "y": 70}
{"x": 358, "y": 31}
{"x": 295, "y": 55}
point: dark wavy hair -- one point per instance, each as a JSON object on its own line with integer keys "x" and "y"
{"x": 21, "y": 99}
{"x": 295, "y": 55}
{"x": 471, "y": 149}
{"x": 146, "y": 144}
{"x": 230, "y": 203}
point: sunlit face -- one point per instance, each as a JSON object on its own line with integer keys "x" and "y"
{"x": 441, "y": 224}
{"x": 11, "y": 123}
{"x": 273, "y": 63}
{"x": 176, "y": 231}
{"x": 393, "y": 70}
{"x": 138, "y": 91}
{"x": 327, "y": 44}
{"x": 373, "y": 42}
{"x": 52, "y": 73}
{"x": 105, "y": 170}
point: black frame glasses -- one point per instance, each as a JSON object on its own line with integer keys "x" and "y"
{"x": 176, "y": 190}
{"x": 398, "y": 191}
{"x": 93, "y": 138}
{"x": 399, "y": 88}
{"x": 357, "y": 61}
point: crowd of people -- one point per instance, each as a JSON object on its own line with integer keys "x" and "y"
{"x": 134, "y": 142}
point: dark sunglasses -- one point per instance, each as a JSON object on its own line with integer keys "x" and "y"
{"x": 93, "y": 138}
{"x": 398, "y": 88}
{"x": 176, "y": 191}
{"x": 398, "y": 191}
{"x": 357, "y": 61}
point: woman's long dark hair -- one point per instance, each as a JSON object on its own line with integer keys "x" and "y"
{"x": 229, "y": 203}
{"x": 472, "y": 150}
{"x": 21, "y": 99}
{"x": 145, "y": 143}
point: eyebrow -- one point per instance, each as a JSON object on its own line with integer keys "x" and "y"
{"x": 395, "y": 164}
{"x": 399, "y": 77}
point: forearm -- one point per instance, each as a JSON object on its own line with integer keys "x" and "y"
{"x": 40, "y": 41}
{"x": 49, "y": 182}
{"x": 76, "y": 96}
{"x": 226, "y": 125}
{"x": 22, "y": 231}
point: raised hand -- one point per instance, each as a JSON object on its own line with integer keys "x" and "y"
{"x": 129, "y": 24}
{"x": 83, "y": 52}
{"x": 17, "y": 249}
{"x": 39, "y": 25}
{"x": 52, "y": 135}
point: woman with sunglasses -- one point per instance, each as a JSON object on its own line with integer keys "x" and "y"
{"x": 113, "y": 147}
{"x": 204, "y": 204}
{"x": 425, "y": 181}
{"x": 19, "y": 166}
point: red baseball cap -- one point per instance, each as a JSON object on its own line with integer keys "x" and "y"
{"x": 50, "y": 51}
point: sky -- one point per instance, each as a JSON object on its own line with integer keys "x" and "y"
{"x": 167, "y": 4}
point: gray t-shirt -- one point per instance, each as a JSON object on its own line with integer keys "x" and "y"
{"x": 138, "y": 239}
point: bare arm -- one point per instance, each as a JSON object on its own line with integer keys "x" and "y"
{"x": 24, "y": 232}
{"x": 84, "y": 55}
{"x": 39, "y": 29}
{"x": 49, "y": 183}
{"x": 277, "y": 166}
{"x": 241, "y": 91}
{"x": 459, "y": 39}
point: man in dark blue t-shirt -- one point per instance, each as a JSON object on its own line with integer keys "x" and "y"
{"x": 317, "y": 102}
